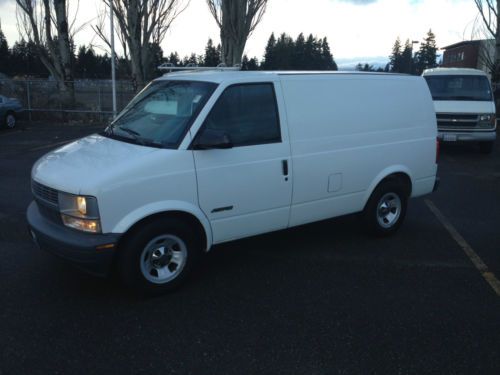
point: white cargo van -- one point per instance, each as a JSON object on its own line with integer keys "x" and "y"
{"x": 464, "y": 104}
{"x": 198, "y": 159}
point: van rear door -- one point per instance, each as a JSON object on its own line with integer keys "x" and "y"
{"x": 246, "y": 189}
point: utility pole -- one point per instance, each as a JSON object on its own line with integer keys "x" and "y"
{"x": 411, "y": 54}
{"x": 113, "y": 74}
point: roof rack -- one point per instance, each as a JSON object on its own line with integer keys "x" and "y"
{"x": 221, "y": 67}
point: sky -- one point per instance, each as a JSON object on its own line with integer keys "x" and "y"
{"x": 357, "y": 30}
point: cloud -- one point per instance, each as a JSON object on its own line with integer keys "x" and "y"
{"x": 356, "y": 29}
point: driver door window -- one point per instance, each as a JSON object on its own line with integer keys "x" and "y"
{"x": 248, "y": 114}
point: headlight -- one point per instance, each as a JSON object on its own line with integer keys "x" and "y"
{"x": 86, "y": 225}
{"x": 79, "y": 212}
{"x": 487, "y": 121}
{"x": 81, "y": 204}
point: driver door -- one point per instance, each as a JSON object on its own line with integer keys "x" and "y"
{"x": 247, "y": 189}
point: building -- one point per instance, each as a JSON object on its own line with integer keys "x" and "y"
{"x": 476, "y": 54}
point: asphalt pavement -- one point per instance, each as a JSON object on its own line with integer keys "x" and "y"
{"x": 322, "y": 298}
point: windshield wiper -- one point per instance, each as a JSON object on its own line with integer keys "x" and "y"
{"x": 129, "y": 131}
{"x": 137, "y": 137}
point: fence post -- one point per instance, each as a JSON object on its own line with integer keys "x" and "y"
{"x": 29, "y": 99}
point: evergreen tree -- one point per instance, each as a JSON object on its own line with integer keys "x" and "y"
{"x": 155, "y": 60}
{"x": 365, "y": 68}
{"x": 87, "y": 63}
{"x": 212, "y": 54}
{"x": 269, "y": 54}
{"x": 249, "y": 64}
{"x": 174, "y": 59}
{"x": 4, "y": 53}
{"x": 299, "y": 61}
{"x": 24, "y": 60}
{"x": 395, "y": 58}
{"x": 104, "y": 66}
{"x": 192, "y": 59}
{"x": 300, "y": 54}
{"x": 284, "y": 51}
{"x": 427, "y": 54}
{"x": 328, "y": 63}
{"x": 310, "y": 47}
{"x": 407, "y": 58}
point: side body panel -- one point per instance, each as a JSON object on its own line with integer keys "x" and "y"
{"x": 349, "y": 132}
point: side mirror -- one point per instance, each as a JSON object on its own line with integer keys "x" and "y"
{"x": 212, "y": 139}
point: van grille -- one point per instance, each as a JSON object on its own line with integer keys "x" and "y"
{"x": 44, "y": 193}
{"x": 50, "y": 213}
{"x": 457, "y": 121}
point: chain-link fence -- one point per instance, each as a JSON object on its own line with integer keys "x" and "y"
{"x": 92, "y": 101}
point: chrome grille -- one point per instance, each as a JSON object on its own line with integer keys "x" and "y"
{"x": 457, "y": 121}
{"x": 44, "y": 193}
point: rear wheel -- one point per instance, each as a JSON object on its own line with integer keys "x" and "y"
{"x": 159, "y": 256}
{"x": 386, "y": 208}
{"x": 486, "y": 147}
{"x": 10, "y": 120}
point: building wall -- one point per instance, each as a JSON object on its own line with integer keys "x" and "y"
{"x": 464, "y": 56}
{"x": 486, "y": 56}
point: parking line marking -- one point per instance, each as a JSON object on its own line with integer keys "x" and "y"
{"x": 469, "y": 251}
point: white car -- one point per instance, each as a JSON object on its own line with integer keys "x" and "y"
{"x": 197, "y": 159}
{"x": 465, "y": 107}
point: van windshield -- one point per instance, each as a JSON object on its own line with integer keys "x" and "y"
{"x": 460, "y": 87}
{"x": 160, "y": 115}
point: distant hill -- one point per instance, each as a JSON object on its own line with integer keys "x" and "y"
{"x": 350, "y": 63}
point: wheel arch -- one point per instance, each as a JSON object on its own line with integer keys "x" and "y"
{"x": 399, "y": 173}
{"x": 191, "y": 215}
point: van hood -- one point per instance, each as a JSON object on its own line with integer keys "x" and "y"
{"x": 455, "y": 106}
{"x": 80, "y": 166}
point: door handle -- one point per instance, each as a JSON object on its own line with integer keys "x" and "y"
{"x": 284, "y": 165}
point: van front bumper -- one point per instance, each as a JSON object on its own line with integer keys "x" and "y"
{"x": 455, "y": 136}
{"x": 90, "y": 252}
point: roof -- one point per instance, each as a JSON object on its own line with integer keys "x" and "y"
{"x": 454, "y": 71}
{"x": 464, "y": 43}
{"x": 218, "y": 76}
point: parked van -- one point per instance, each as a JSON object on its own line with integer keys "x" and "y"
{"x": 465, "y": 107}
{"x": 198, "y": 159}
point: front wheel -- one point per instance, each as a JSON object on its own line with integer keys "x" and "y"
{"x": 386, "y": 208}
{"x": 158, "y": 257}
{"x": 10, "y": 120}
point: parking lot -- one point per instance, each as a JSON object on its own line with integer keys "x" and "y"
{"x": 319, "y": 299}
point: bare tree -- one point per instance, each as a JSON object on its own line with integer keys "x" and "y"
{"x": 142, "y": 23}
{"x": 488, "y": 11}
{"x": 480, "y": 33}
{"x": 237, "y": 20}
{"x": 102, "y": 32}
{"x": 45, "y": 22}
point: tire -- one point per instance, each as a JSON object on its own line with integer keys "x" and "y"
{"x": 486, "y": 147}
{"x": 10, "y": 120}
{"x": 386, "y": 209}
{"x": 158, "y": 257}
